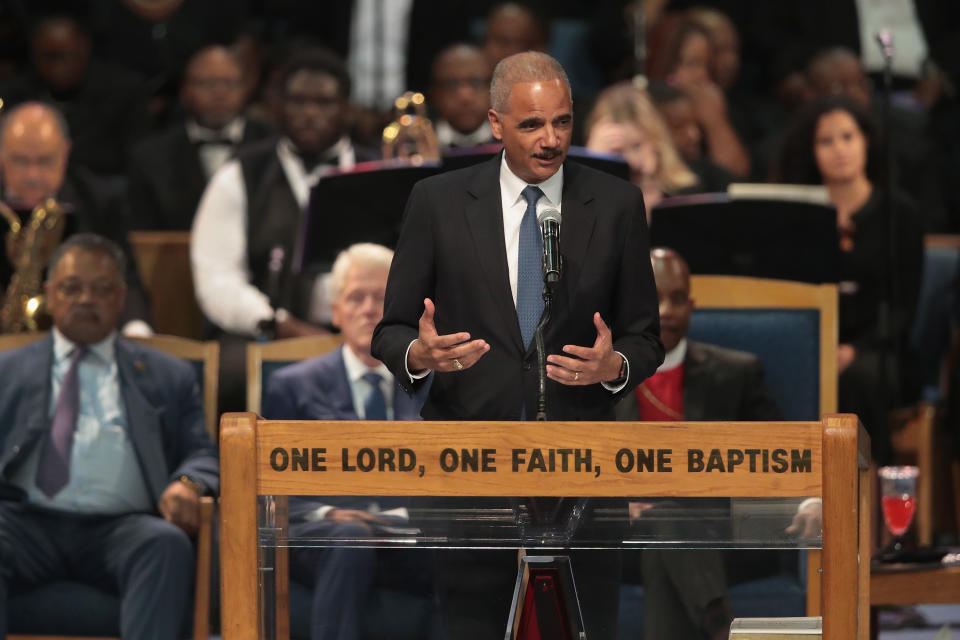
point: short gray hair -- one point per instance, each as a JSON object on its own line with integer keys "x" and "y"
{"x": 366, "y": 254}
{"x": 531, "y": 66}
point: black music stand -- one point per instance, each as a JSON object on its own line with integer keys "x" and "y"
{"x": 760, "y": 237}
{"x": 362, "y": 205}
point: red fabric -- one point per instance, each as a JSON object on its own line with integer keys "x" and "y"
{"x": 667, "y": 387}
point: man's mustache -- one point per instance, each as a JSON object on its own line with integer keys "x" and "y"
{"x": 548, "y": 154}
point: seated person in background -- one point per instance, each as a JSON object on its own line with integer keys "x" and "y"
{"x": 676, "y": 109}
{"x": 684, "y": 62}
{"x": 512, "y": 28}
{"x": 248, "y": 220}
{"x": 624, "y": 121}
{"x": 168, "y": 171}
{"x": 105, "y": 453}
{"x": 834, "y": 143}
{"x": 347, "y": 384}
{"x": 105, "y": 105}
{"x": 839, "y": 72}
{"x": 685, "y": 589}
{"x": 34, "y": 149}
{"x": 460, "y": 97}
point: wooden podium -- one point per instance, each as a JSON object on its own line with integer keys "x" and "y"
{"x": 829, "y": 459}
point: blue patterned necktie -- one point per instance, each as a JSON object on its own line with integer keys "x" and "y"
{"x": 53, "y": 467}
{"x": 375, "y": 408}
{"x": 529, "y": 268}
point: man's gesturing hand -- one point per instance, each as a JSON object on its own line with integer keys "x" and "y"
{"x": 442, "y": 353}
{"x": 590, "y": 365}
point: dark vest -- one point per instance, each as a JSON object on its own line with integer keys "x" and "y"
{"x": 273, "y": 220}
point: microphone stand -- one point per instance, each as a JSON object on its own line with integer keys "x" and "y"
{"x": 890, "y": 348}
{"x": 541, "y": 351}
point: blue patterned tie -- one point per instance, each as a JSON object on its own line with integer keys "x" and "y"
{"x": 529, "y": 268}
{"x": 53, "y": 467}
{"x": 375, "y": 408}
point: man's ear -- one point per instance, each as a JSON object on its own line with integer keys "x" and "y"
{"x": 495, "y": 125}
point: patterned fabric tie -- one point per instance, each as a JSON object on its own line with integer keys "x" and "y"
{"x": 53, "y": 467}
{"x": 375, "y": 408}
{"x": 530, "y": 268}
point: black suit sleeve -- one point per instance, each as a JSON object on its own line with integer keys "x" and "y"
{"x": 411, "y": 280}
{"x": 636, "y": 321}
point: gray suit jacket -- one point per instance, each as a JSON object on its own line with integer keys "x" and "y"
{"x": 165, "y": 417}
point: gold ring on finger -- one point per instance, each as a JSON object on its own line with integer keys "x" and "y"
{"x": 457, "y": 364}
{"x": 576, "y": 376}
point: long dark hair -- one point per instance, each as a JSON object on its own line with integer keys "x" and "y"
{"x": 797, "y": 163}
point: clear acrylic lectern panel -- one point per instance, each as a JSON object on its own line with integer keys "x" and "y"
{"x": 556, "y": 523}
{"x": 701, "y": 488}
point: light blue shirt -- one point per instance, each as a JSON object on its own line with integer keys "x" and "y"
{"x": 105, "y": 476}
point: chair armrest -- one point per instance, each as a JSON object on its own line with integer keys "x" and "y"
{"x": 201, "y": 597}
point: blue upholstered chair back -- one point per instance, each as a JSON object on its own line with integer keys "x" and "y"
{"x": 787, "y": 341}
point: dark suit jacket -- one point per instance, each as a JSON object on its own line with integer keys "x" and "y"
{"x": 165, "y": 417}
{"x": 451, "y": 250}
{"x": 167, "y": 179}
{"x": 718, "y": 384}
{"x": 318, "y": 389}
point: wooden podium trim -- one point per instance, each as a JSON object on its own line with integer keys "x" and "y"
{"x": 320, "y": 446}
{"x": 838, "y": 441}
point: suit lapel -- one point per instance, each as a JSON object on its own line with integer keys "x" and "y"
{"x": 576, "y": 227}
{"x": 191, "y": 172}
{"x": 696, "y": 383}
{"x": 33, "y": 415}
{"x": 143, "y": 419}
{"x": 484, "y": 213}
{"x": 340, "y": 392}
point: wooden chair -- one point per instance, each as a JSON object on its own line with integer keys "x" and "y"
{"x": 752, "y": 314}
{"x": 792, "y": 328}
{"x": 96, "y": 611}
{"x": 263, "y": 358}
{"x": 163, "y": 259}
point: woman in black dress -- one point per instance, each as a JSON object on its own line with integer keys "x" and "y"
{"x": 835, "y": 143}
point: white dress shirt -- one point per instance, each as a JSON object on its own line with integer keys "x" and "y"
{"x": 909, "y": 44}
{"x": 675, "y": 357}
{"x": 216, "y": 145}
{"x": 359, "y": 387}
{"x": 105, "y": 475}
{"x": 218, "y": 243}
{"x": 377, "y": 60}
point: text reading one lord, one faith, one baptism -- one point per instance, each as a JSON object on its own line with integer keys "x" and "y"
{"x": 541, "y": 460}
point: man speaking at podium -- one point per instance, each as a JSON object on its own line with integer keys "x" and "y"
{"x": 464, "y": 293}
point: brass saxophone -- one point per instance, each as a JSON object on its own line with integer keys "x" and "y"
{"x": 410, "y": 136}
{"x": 29, "y": 247}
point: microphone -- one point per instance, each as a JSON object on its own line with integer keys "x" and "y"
{"x": 549, "y": 220}
{"x": 885, "y": 40}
